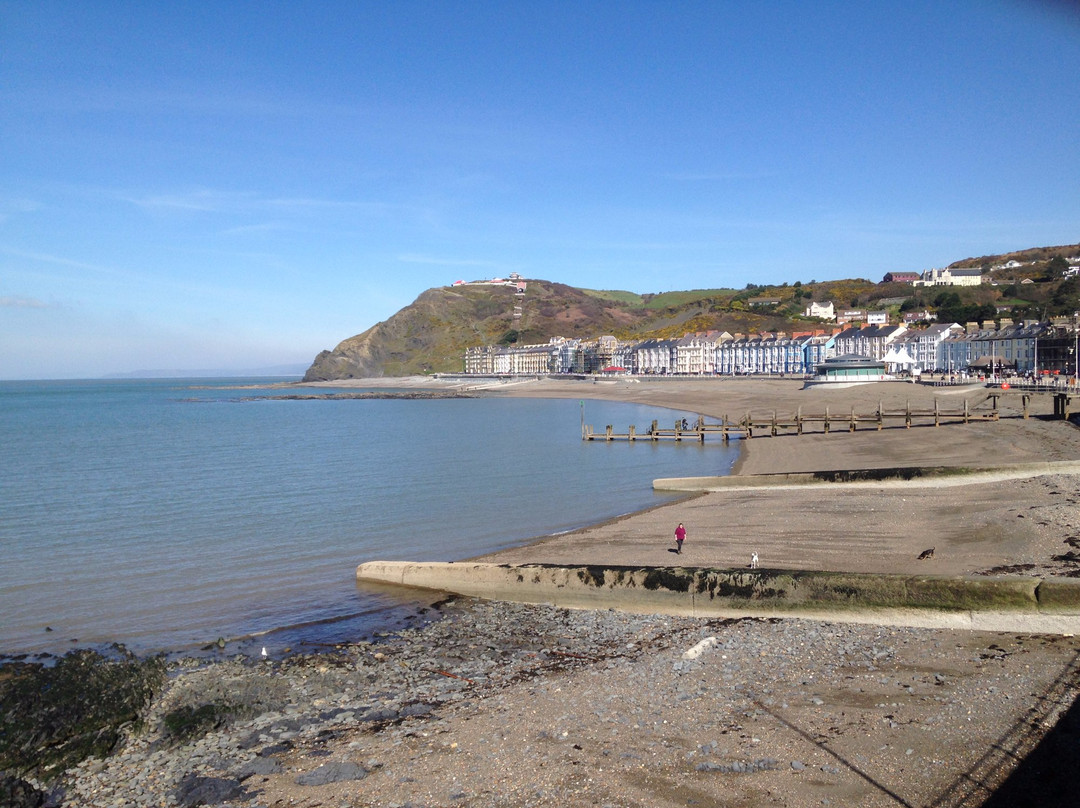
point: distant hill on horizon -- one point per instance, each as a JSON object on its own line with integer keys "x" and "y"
{"x": 211, "y": 373}
{"x": 430, "y": 335}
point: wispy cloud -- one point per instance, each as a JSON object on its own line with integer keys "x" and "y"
{"x": 210, "y": 200}
{"x": 263, "y": 227}
{"x": 19, "y": 302}
{"x": 200, "y": 200}
{"x": 47, "y": 258}
{"x": 716, "y": 176}
{"x": 12, "y": 205}
{"x": 415, "y": 258}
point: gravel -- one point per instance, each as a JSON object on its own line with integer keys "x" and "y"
{"x": 499, "y": 704}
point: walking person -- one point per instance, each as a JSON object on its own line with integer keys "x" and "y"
{"x": 680, "y": 537}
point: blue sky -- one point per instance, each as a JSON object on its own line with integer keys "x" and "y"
{"x": 239, "y": 185}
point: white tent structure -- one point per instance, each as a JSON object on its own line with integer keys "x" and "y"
{"x": 899, "y": 359}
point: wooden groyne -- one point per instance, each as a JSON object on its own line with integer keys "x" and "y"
{"x": 681, "y": 431}
{"x": 756, "y": 424}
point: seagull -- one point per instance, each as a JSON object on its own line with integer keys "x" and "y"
{"x": 264, "y": 652}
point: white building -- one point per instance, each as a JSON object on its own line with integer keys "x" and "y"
{"x": 823, "y": 311}
{"x": 924, "y": 346}
{"x": 950, "y": 277}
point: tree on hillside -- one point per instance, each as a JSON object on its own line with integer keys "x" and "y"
{"x": 1066, "y": 298}
{"x": 1056, "y": 268}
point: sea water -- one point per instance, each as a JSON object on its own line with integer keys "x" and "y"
{"x": 164, "y": 514}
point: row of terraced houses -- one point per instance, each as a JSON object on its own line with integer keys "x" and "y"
{"x": 1023, "y": 348}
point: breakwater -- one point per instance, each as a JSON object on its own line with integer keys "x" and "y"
{"x": 915, "y": 476}
{"x": 992, "y": 603}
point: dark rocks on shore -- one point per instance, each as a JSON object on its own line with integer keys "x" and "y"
{"x": 195, "y": 790}
{"x": 53, "y": 717}
{"x": 17, "y": 793}
{"x": 333, "y": 773}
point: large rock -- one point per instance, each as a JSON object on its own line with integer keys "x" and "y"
{"x": 195, "y": 790}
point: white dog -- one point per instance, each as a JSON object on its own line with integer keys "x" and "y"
{"x": 753, "y": 561}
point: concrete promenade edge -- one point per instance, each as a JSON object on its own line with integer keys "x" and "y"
{"x": 1049, "y": 605}
{"x": 937, "y": 476}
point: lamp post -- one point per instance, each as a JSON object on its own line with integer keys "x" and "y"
{"x": 1035, "y": 346}
{"x": 1076, "y": 345}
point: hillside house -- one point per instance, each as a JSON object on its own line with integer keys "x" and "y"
{"x": 851, "y": 316}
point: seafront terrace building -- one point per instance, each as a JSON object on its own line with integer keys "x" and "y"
{"x": 924, "y": 345}
{"x": 1019, "y": 347}
{"x": 695, "y": 354}
{"x": 771, "y": 354}
{"x": 714, "y": 353}
{"x": 655, "y": 356}
{"x": 1026, "y": 348}
{"x": 938, "y": 348}
{"x": 518, "y": 360}
{"x": 568, "y": 354}
{"x": 870, "y": 340}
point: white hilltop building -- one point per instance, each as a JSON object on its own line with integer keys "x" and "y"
{"x": 950, "y": 277}
{"x": 513, "y": 279}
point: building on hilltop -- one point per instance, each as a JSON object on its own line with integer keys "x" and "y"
{"x": 950, "y": 277}
{"x": 900, "y": 277}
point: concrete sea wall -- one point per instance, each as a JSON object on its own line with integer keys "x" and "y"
{"x": 992, "y": 603}
{"x": 910, "y": 475}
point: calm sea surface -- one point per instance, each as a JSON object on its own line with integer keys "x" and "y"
{"x": 164, "y": 514}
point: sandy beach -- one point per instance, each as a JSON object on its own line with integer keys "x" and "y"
{"x": 973, "y": 528}
{"x": 499, "y": 704}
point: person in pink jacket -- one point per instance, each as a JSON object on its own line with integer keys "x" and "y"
{"x": 680, "y": 537}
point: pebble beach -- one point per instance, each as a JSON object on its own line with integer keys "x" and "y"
{"x": 503, "y": 704}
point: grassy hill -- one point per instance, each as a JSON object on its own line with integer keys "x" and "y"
{"x": 431, "y": 334}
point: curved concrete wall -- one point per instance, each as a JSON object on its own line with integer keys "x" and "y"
{"x": 1013, "y": 604}
{"x": 914, "y": 476}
